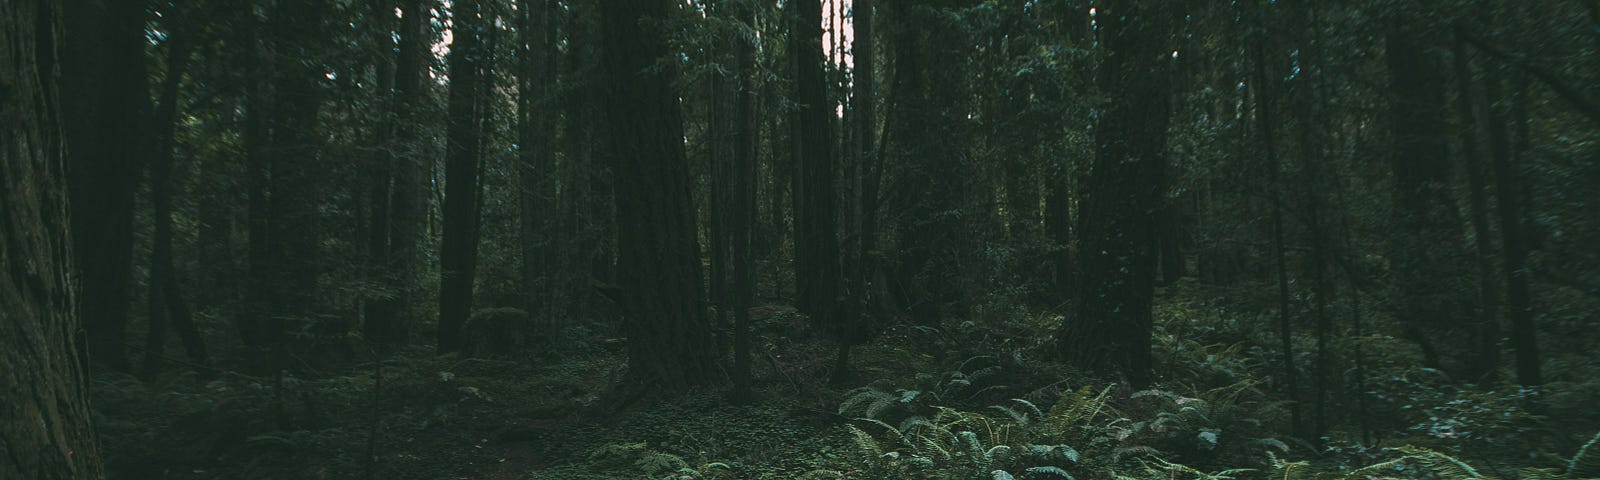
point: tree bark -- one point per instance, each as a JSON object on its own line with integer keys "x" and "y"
{"x": 1513, "y": 229}
{"x": 535, "y": 145}
{"x": 669, "y": 341}
{"x": 458, "y": 253}
{"x": 743, "y": 201}
{"x": 44, "y": 413}
{"x": 105, "y": 104}
{"x": 816, "y": 246}
{"x": 165, "y": 300}
{"x": 1111, "y": 331}
{"x": 408, "y": 200}
{"x": 1429, "y": 258}
{"x": 1264, "y": 80}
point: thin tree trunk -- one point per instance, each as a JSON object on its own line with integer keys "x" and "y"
{"x": 1485, "y": 331}
{"x": 1267, "y": 125}
{"x": 743, "y": 202}
{"x": 165, "y": 300}
{"x": 1513, "y": 230}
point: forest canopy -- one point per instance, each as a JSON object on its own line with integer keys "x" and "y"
{"x": 799, "y": 239}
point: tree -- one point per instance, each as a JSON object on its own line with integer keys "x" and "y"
{"x": 458, "y": 254}
{"x": 1513, "y": 230}
{"x": 742, "y": 220}
{"x": 1111, "y": 330}
{"x": 408, "y": 199}
{"x": 816, "y": 246}
{"x": 536, "y": 142}
{"x": 105, "y": 105}
{"x": 44, "y": 412}
{"x": 165, "y": 301}
{"x": 658, "y": 263}
{"x": 1430, "y": 262}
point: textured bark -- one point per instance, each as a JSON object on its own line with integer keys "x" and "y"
{"x": 669, "y": 347}
{"x": 458, "y": 254}
{"x": 44, "y": 414}
{"x": 105, "y": 105}
{"x": 1111, "y": 331}
{"x": 816, "y": 245}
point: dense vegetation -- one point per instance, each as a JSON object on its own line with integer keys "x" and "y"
{"x": 824, "y": 239}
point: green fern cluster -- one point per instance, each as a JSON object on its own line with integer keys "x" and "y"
{"x": 657, "y": 465}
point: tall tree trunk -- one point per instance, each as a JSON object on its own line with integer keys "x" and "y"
{"x": 816, "y": 246}
{"x": 253, "y": 326}
{"x": 1429, "y": 258}
{"x": 105, "y": 104}
{"x": 669, "y": 341}
{"x": 165, "y": 301}
{"x": 458, "y": 255}
{"x": 1513, "y": 229}
{"x": 1112, "y": 329}
{"x": 535, "y": 146}
{"x": 1485, "y": 332}
{"x": 864, "y": 108}
{"x": 743, "y": 200}
{"x": 45, "y": 431}
{"x": 379, "y": 310}
{"x": 1264, "y": 79}
{"x": 408, "y": 201}
{"x": 296, "y": 174}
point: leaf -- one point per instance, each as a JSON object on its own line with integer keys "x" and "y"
{"x": 1050, "y": 470}
{"x": 1002, "y": 475}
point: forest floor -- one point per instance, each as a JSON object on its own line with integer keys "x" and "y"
{"x": 448, "y": 417}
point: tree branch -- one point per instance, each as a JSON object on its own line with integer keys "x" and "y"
{"x": 1578, "y": 100}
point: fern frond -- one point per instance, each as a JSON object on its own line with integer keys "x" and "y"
{"x": 1583, "y": 464}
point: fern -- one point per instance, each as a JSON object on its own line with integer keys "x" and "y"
{"x": 1584, "y": 465}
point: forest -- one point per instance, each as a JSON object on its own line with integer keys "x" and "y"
{"x": 800, "y": 239}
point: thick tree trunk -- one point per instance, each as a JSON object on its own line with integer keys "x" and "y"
{"x": 44, "y": 413}
{"x": 669, "y": 341}
{"x": 458, "y": 255}
{"x": 1430, "y": 262}
{"x": 816, "y": 246}
{"x": 1111, "y": 331}
{"x": 105, "y": 105}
